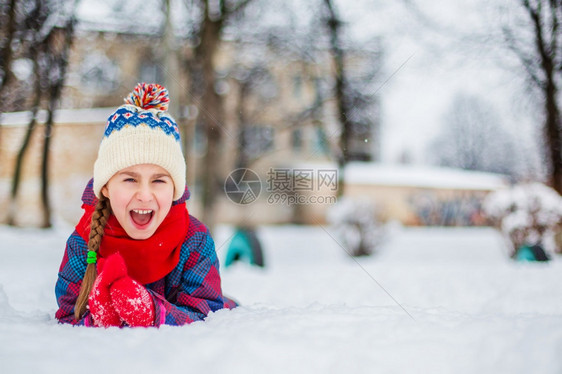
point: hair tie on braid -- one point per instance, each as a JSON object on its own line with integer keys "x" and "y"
{"x": 97, "y": 225}
{"x": 92, "y": 257}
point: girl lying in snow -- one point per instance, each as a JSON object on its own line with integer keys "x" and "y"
{"x": 137, "y": 258}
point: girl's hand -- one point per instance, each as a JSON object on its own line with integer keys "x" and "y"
{"x": 118, "y": 298}
{"x": 132, "y": 302}
{"x": 101, "y": 307}
{"x": 113, "y": 267}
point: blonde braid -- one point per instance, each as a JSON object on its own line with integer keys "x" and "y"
{"x": 97, "y": 226}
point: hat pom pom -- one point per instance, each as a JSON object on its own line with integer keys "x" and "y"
{"x": 149, "y": 96}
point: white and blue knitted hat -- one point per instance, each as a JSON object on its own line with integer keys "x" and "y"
{"x": 141, "y": 132}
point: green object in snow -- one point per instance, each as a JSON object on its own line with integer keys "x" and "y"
{"x": 531, "y": 253}
{"x": 244, "y": 246}
{"x": 525, "y": 254}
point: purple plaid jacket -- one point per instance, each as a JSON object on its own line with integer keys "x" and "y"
{"x": 187, "y": 294}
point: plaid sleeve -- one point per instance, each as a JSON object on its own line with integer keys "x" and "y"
{"x": 199, "y": 290}
{"x": 71, "y": 272}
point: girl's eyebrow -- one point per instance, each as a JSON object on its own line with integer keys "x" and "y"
{"x": 137, "y": 175}
{"x": 129, "y": 173}
{"x": 156, "y": 176}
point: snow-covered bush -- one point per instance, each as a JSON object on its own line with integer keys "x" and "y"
{"x": 527, "y": 214}
{"x": 356, "y": 226}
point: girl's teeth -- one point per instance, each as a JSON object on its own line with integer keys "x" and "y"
{"x": 140, "y": 211}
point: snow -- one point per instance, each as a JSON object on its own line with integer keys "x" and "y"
{"x": 355, "y": 225}
{"x": 528, "y": 213}
{"x": 22, "y": 68}
{"x": 432, "y": 301}
{"x": 530, "y": 198}
{"x": 412, "y": 175}
{"x": 422, "y": 176}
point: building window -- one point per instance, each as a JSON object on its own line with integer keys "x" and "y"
{"x": 150, "y": 71}
{"x": 258, "y": 140}
{"x": 296, "y": 140}
{"x": 267, "y": 86}
{"x": 320, "y": 141}
{"x": 98, "y": 73}
{"x": 297, "y": 86}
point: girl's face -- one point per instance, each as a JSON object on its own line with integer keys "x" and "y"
{"x": 140, "y": 197}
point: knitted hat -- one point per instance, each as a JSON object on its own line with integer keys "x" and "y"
{"x": 141, "y": 132}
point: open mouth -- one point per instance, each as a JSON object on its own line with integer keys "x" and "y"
{"x": 141, "y": 217}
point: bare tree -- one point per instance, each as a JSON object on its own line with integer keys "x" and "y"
{"x": 334, "y": 24}
{"x": 355, "y": 102}
{"x": 208, "y": 32}
{"x": 350, "y": 85}
{"x": 8, "y": 31}
{"x": 16, "y": 179}
{"x": 58, "y": 46}
{"x": 541, "y": 58}
{"x": 249, "y": 80}
{"x": 49, "y": 31}
{"x": 472, "y": 138}
{"x": 7, "y": 35}
{"x": 30, "y": 29}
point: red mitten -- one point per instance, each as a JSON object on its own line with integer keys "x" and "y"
{"x": 113, "y": 267}
{"x": 132, "y": 302}
{"x": 99, "y": 300}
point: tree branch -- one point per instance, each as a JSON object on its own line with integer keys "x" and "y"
{"x": 545, "y": 59}
{"x": 525, "y": 60}
{"x": 235, "y": 9}
{"x": 535, "y": 15}
{"x": 7, "y": 49}
{"x": 555, "y": 25}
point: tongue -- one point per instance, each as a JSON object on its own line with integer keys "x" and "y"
{"x": 141, "y": 219}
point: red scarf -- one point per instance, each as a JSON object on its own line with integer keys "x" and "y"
{"x": 147, "y": 260}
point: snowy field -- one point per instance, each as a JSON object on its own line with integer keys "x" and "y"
{"x": 432, "y": 301}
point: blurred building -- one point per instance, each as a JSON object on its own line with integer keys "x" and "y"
{"x": 423, "y": 195}
{"x": 275, "y": 109}
{"x": 275, "y": 126}
{"x": 289, "y": 189}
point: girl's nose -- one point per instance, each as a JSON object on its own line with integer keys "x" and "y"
{"x": 144, "y": 193}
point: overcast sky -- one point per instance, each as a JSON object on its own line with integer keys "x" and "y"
{"x": 426, "y": 64}
{"x": 431, "y": 63}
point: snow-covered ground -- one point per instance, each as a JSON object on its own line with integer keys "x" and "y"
{"x": 432, "y": 301}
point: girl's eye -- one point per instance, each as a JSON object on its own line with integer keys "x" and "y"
{"x": 129, "y": 180}
{"x": 159, "y": 181}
